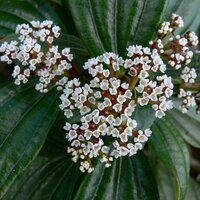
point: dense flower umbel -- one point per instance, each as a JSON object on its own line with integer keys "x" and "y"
{"x": 175, "y": 49}
{"x": 106, "y": 103}
{"x": 32, "y": 59}
{"x": 188, "y": 75}
{"x": 155, "y": 91}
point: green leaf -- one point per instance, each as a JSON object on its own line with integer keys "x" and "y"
{"x": 127, "y": 178}
{"x": 193, "y": 192}
{"x": 59, "y": 2}
{"x": 144, "y": 116}
{"x": 187, "y": 125}
{"x": 15, "y": 12}
{"x": 73, "y": 42}
{"x": 144, "y": 177}
{"x": 189, "y": 10}
{"x": 168, "y": 145}
{"x": 166, "y": 183}
{"x": 171, "y": 6}
{"x": 25, "y": 119}
{"x": 113, "y": 25}
{"x": 54, "y": 178}
{"x": 147, "y": 20}
{"x": 56, "y": 139}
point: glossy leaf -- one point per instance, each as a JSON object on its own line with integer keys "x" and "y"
{"x": 74, "y": 43}
{"x": 171, "y": 6}
{"x": 189, "y": 10}
{"x": 168, "y": 145}
{"x": 113, "y": 25}
{"x": 25, "y": 119}
{"x": 145, "y": 178}
{"x": 193, "y": 192}
{"x": 54, "y": 178}
{"x": 15, "y": 12}
{"x": 128, "y": 178}
{"x": 188, "y": 124}
{"x": 141, "y": 113}
{"x": 57, "y": 1}
{"x": 167, "y": 186}
{"x": 166, "y": 183}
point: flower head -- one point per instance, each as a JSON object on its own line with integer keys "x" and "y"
{"x": 50, "y": 66}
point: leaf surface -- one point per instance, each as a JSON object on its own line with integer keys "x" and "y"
{"x": 127, "y": 178}
{"x": 25, "y": 119}
{"x": 168, "y": 145}
{"x": 113, "y": 25}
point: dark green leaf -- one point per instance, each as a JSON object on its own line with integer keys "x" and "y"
{"x": 189, "y": 10}
{"x": 113, "y": 25}
{"x": 25, "y": 119}
{"x": 9, "y": 38}
{"x": 193, "y": 192}
{"x": 188, "y": 127}
{"x": 56, "y": 138}
{"x": 59, "y": 2}
{"x": 144, "y": 177}
{"x": 144, "y": 116}
{"x": 15, "y": 12}
{"x": 167, "y": 143}
{"x": 128, "y": 178}
{"x": 188, "y": 124}
{"x": 171, "y": 6}
{"x": 73, "y": 42}
{"x": 166, "y": 183}
{"x": 54, "y": 178}
{"x": 147, "y": 20}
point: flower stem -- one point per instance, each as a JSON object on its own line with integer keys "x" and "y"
{"x": 190, "y": 86}
{"x": 132, "y": 83}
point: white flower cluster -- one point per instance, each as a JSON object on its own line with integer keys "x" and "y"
{"x": 188, "y": 99}
{"x": 106, "y": 106}
{"x": 27, "y": 51}
{"x": 175, "y": 48}
{"x": 157, "y": 44}
{"x": 180, "y": 46}
{"x": 155, "y": 92}
{"x": 143, "y": 60}
{"x": 177, "y": 20}
{"x": 168, "y": 27}
{"x": 188, "y": 76}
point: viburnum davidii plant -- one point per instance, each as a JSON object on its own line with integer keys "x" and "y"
{"x": 106, "y": 101}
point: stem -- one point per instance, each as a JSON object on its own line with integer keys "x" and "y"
{"x": 112, "y": 72}
{"x": 132, "y": 83}
{"x": 190, "y": 86}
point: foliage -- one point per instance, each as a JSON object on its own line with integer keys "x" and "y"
{"x": 34, "y": 163}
